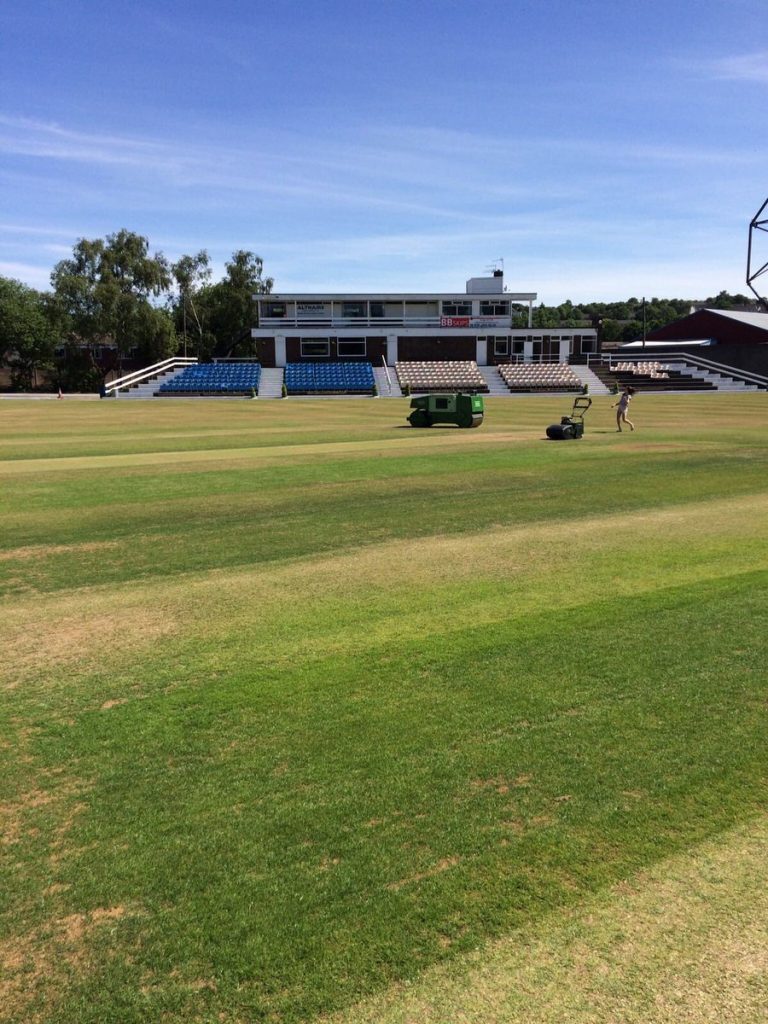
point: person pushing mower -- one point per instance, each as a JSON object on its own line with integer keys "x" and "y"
{"x": 623, "y": 405}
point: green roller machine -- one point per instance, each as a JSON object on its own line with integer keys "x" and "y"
{"x": 462, "y": 410}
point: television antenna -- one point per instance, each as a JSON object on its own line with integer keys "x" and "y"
{"x": 499, "y": 264}
{"x": 758, "y": 223}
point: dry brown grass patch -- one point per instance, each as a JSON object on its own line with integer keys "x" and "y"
{"x": 42, "y": 960}
{"x": 50, "y": 640}
{"x": 442, "y": 865}
{"x": 38, "y": 551}
{"x": 115, "y": 703}
{"x": 12, "y": 815}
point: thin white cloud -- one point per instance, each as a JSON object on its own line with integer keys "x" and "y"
{"x": 280, "y": 175}
{"x": 31, "y": 229}
{"x": 34, "y": 276}
{"x": 400, "y": 170}
{"x": 745, "y": 67}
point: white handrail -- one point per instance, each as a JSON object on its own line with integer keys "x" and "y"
{"x": 386, "y": 371}
{"x": 659, "y": 355}
{"x": 710, "y": 364}
{"x": 149, "y": 371}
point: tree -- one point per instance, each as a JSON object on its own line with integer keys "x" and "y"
{"x": 106, "y": 292}
{"x": 610, "y": 330}
{"x": 192, "y": 274}
{"x": 723, "y": 300}
{"x": 545, "y": 316}
{"x": 27, "y": 333}
{"x": 230, "y": 302}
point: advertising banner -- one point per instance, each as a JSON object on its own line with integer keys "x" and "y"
{"x": 474, "y": 321}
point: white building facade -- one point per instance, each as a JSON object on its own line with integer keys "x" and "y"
{"x": 484, "y": 323}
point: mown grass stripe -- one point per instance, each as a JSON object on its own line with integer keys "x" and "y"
{"x": 310, "y": 731}
{"x": 683, "y": 940}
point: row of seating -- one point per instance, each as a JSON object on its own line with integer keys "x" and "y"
{"x": 539, "y": 377}
{"x": 214, "y": 379}
{"x": 640, "y": 365}
{"x": 673, "y": 380}
{"x": 440, "y": 376}
{"x": 645, "y": 368}
{"x": 336, "y": 378}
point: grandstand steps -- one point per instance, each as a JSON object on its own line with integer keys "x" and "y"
{"x": 492, "y": 378}
{"x": 271, "y": 382}
{"x": 148, "y": 387}
{"x": 387, "y": 388}
{"x": 723, "y": 382}
{"x": 589, "y": 377}
{"x": 672, "y": 381}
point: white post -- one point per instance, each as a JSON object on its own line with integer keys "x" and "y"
{"x": 279, "y": 350}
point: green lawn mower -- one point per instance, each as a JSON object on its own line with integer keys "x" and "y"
{"x": 570, "y": 427}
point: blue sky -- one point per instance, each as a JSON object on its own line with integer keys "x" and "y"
{"x": 601, "y": 149}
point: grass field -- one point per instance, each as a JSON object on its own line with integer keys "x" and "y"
{"x": 309, "y": 715}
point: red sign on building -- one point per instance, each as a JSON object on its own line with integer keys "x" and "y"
{"x": 454, "y": 321}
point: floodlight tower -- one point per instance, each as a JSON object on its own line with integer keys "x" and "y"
{"x": 758, "y": 223}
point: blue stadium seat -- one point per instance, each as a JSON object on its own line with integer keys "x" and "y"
{"x": 214, "y": 379}
{"x": 337, "y": 378}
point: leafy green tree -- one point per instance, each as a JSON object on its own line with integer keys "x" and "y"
{"x": 610, "y": 330}
{"x": 723, "y": 300}
{"x": 632, "y": 331}
{"x": 192, "y": 275}
{"x": 230, "y": 302}
{"x": 545, "y": 316}
{"x": 27, "y": 334}
{"x": 108, "y": 291}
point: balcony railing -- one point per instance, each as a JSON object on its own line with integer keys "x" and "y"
{"x": 491, "y": 323}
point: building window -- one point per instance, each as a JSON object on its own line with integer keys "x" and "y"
{"x": 588, "y": 345}
{"x": 315, "y": 348}
{"x": 353, "y": 309}
{"x": 457, "y": 308}
{"x": 275, "y": 309}
{"x": 501, "y": 346}
{"x": 348, "y": 348}
{"x": 377, "y": 309}
{"x": 494, "y": 309}
{"x": 518, "y": 346}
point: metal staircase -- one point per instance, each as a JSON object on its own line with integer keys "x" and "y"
{"x": 143, "y": 383}
{"x": 147, "y": 387}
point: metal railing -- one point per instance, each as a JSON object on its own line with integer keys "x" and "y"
{"x": 434, "y": 320}
{"x": 727, "y": 371}
{"x": 684, "y": 358}
{"x": 114, "y": 386}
